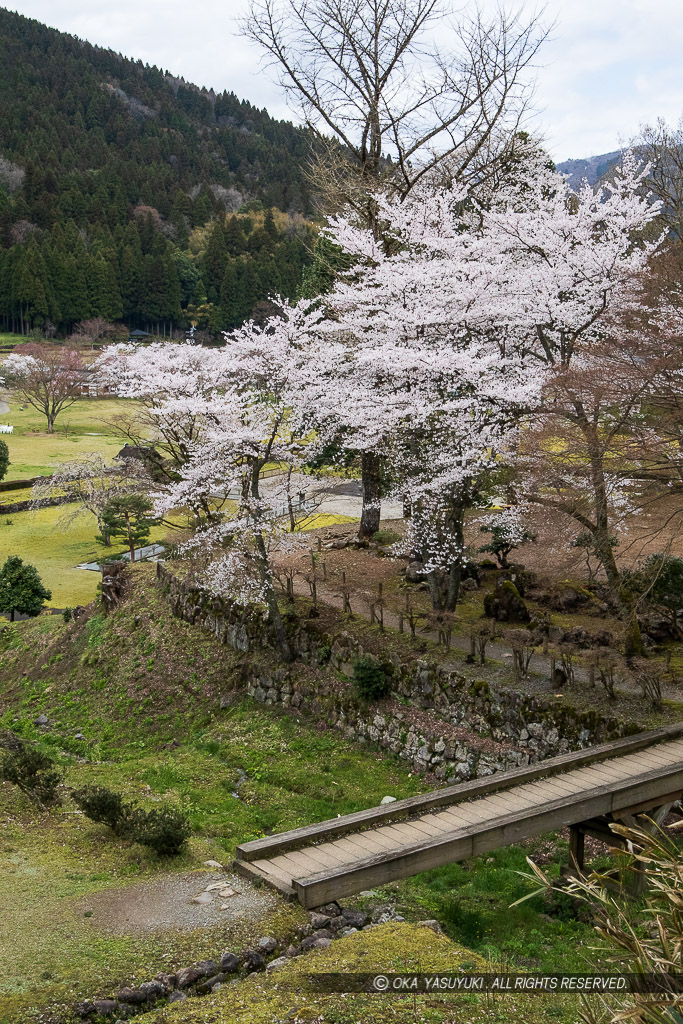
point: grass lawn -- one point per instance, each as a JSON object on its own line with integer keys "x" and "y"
{"x": 14, "y": 339}
{"x": 80, "y": 429}
{"x": 44, "y": 539}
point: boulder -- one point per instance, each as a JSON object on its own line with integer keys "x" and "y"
{"x": 177, "y": 997}
{"x": 432, "y": 924}
{"x": 105, "y": 1007}
{"x": 315, "y": 942}
{"x": 134, "y": 996}
{"x": 191, "y": 975}
{"x": 354, "y": 918}
{"x": 274, "y": 965}
{"x": 266, "y": 945}
{"x": 504, "y": 604}
{"x": 414, "y": 572}
{"x": 229, "y": 963}
{"x": 252, "y": 960}
{"x": 153, "y": 989}
{"x": 564, "y": 597}
{"x": 318, "y": 920}
{"x": 207, "y": 986}
{"x": 167, "y": 981}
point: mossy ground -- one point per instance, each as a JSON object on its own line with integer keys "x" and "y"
{"x": 392, "y": 948}
{"x": 133, "y": 689}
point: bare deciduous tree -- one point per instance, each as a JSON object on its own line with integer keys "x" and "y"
{"x": 661, "y": 146}
{"x": 373, "y": 76}
{"x": 91, "y": 483}
{"x": 388, "y": 105}
{"x": 90, "y": 331}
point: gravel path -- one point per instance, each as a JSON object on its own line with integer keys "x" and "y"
{"x": 169, "y": 903}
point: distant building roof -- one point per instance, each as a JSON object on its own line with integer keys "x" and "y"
{"x": 139, "y": 334}
{"x": 131, "y": 451}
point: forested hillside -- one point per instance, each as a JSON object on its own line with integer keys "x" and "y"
{"x": 117, "y": 186}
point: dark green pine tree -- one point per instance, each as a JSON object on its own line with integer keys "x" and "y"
{"x": 27, "y": 287}
{"x": 215, "y": 258}
{"x": 127, "y": 516}
{"x": 229, "y": 310}
{"x": 268, "y": 275}
{"x": 21, "y": 589}
{"x": 269, "y": 225}
{"x": 235, "y": 238}
{"x": 103, "y": 289}
{"x": 248, "y": 286}
{"x": 4, "y": 459}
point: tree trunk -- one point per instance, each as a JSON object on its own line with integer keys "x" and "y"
{"x": 271, "y": 600}
{"x": 50, "y": 425}
{"x": 372, "y": 494}
{"x": 633, "y": 640}
{"x": 457, "y": 531}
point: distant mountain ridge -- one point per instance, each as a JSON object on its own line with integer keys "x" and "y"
{"x": 117, "y": 185}
{"x": 591, "y": 168}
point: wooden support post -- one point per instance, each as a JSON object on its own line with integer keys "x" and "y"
{"x": 576, "y": 848}
{"x": 324, "y": 565}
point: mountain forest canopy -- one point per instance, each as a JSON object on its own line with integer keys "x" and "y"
{"x": 127, "y": 193}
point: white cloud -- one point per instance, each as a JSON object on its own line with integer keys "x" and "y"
{"x": 610, "y": 65}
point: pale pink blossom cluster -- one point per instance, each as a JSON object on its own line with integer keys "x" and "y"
{"x": 429, "y": 352}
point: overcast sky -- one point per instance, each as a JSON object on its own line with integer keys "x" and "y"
{"x": 611, "y": 65}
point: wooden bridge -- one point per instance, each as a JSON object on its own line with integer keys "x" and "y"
{"x": 584, "y": 790}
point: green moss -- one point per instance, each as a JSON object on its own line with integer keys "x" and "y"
{"x": 285, "y": 995}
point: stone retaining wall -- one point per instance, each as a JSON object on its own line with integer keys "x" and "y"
{"x": 438, "y": 719}
{"x": 26, "y": 506}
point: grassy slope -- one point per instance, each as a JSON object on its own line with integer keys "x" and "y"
{"x": 130, "y": 690}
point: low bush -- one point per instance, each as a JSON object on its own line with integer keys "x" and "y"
{"x": 165, "y": 831}
{"x": 104, "y": 806}
{"x": 370, "y": 680}
{"x": 35, "y": 773}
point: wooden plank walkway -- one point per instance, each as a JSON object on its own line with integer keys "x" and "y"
{"x": 341, "y": 856}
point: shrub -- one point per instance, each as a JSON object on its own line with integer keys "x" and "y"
{"x": 165, "y": 830}
{"x": 35, "y": 773}
{"x": 104, "y": 806}
{"x": 67, "y": 614}
{"x": 370, "y": 679}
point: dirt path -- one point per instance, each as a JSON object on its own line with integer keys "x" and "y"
{"x": 170, "y": 903}
{"x": 539, "y": 679}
